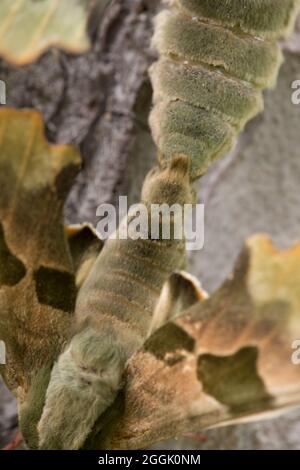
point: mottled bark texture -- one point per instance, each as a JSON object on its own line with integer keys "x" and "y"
{"x": 90, "y": 100}
{"x": 100, "y": 102}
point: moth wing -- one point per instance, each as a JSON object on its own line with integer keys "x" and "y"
{"x": 37, "y": 273}
{"x": 181, "y": 291}
{"x": 226, "y": 360}
{"x": 85, "y": 246}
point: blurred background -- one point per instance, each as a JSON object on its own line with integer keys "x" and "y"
{"x": 100, "y": 102}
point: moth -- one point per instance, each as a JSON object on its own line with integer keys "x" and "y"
{"x": 214, "y": 63}
{"x": 70, "y": 374}
{"x": 113, "y": 316}
{"x": 216, "y": 57}
{"x": 43, "y": 273}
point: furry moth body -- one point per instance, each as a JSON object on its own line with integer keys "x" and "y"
{"x": 216, "y": 57}
{"x": 114, "y": 313}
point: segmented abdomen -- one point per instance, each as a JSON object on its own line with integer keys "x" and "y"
{"x": 216, "y": 57}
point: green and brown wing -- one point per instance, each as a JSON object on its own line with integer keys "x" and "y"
{"x": 42, "y": 263}
{"x": 226, "y": 359}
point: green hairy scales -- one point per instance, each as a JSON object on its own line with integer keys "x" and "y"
{"x": 113, "y": 313}
{"x": 265, "y": 18}
{"x": 216, "y": 57}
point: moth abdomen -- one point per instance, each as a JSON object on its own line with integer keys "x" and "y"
{"x": 215, "y": 60}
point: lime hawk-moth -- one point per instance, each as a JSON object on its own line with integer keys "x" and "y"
{"x": 216, "y": 57}
{"x": 43, "y": 273}
{"x": 113, "y": 317}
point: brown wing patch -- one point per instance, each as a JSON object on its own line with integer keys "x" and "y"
{"x": 55, "y": 288}
{"x": 12, "y": 270}
{"x": 169, "y": 344}
{"x": 233, "y": 380}
{"x": 38, "y": 292}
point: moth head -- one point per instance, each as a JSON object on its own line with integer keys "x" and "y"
{"x": 170, "y": 184}
{"x": 84, "y": 383}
